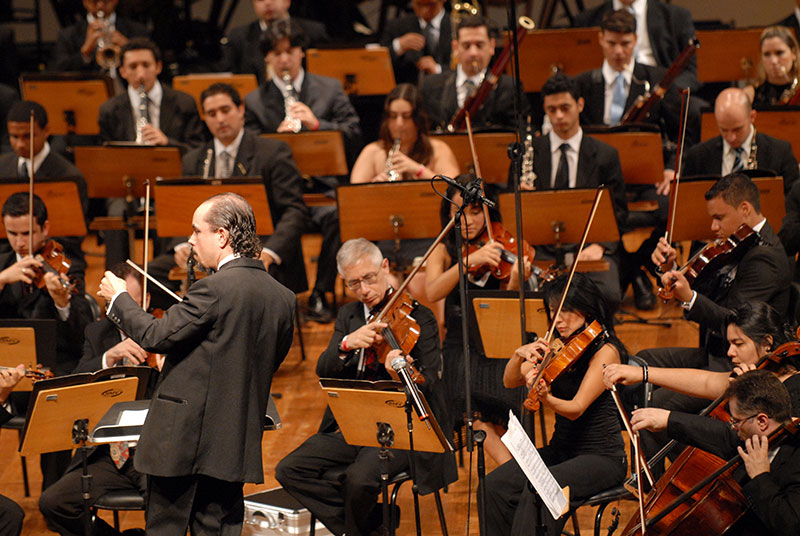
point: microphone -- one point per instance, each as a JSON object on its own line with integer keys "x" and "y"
{"x": 400, "y": 366}
{"x": 471, "y": 193}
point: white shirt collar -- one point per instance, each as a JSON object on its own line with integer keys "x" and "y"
{"x": 436, "y": 21}
{"x": 297, "y": 83}
{"x": 155, "y": 94}
{"x": 232, "y": 149}
{"x": 461, "y": 77}
{"x": 264, "y": 25}
{"x": 574, "y": 142}
{"x": 760, "y": 225}
{"x": 112, "y": 19}
{"x": 610, "y": 75}
{"x": 639, "y": 7}
{"x": 226, "y": 260}
{"x": 726, "y": 147}
{"x": 37, "y": 160}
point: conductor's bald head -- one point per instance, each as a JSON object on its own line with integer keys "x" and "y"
{"x": 735, "y": 115}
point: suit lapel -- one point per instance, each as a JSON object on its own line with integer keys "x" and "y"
{"x": 449, "y": 98}
{"x": 126, "y": 118}
{"x": 636, "y": 89}
{"x": 586, "y": 163}
{"x": 245, "y": 156}
{"x": 445, "y": 39}
{"x": 543, "y": 164}
{"x": 716, "y": 156}
{"x": 165, "y": 115}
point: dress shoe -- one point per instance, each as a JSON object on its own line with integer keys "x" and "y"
{"x": 318, "y": 309}
{"x": 643, "y": 295}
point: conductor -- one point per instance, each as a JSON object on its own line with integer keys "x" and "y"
{"x": 202, "y": 437}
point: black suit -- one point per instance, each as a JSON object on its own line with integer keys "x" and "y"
{"x": 62, "y": 503}
{"x": 67, "y": 51}
{"x": 773, "y": 154}
{"x": 178, "y": 119}
{"x": 11, "y": 515}
{"x": 272, "y": 160}
{"x": 773, "y": 498}
{"x": 343, "y": 505}
{"x": 405, "y": 65}
{"x": 669, "y": 28}
{"x": 440, "y": 98}
{"x": 202, "y": 436}
{"x": 242, "y": 51}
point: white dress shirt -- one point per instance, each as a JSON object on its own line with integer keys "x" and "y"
{"x": 461, "y": 87}
{"x": 644, "y": 51}
{"x": 572, "y": 155}
{"x": 729, "y": 154}
{"x": 155, "y": 94}
{"x": 610, "y": 78}
{"x": 37, "y": 160}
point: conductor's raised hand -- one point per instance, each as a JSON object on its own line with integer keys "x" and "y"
{"x": 366, "y": 335}
{"x": 110, "y": 285}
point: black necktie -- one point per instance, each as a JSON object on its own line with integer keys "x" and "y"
{"x": 23, "y": 170}
{"x": 562, "y": 173}
{"x": 431, "y": 44}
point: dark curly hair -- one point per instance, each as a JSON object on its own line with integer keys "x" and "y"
{"x": 232, "y": 212}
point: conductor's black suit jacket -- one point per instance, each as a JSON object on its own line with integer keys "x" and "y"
{"x": 272, "y": 160}
{"x": 434, "y": 471}
{"x": 223, "y": 343}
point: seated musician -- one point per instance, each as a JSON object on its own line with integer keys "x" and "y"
{"x": 241, "y": 51}
{"x": 19, "y": 299}
{"x": 344, "y": 504}
{"x": 739, "y": 146}
{"x": 111, "y": 466}
{"x": 490, "y": 399}
{"x": 419, "y": 42}
{"x": 761, "y": 274}
{"x": 77, "y": 45}
{"x": 11, "y": 514}
{"x": 778, "y": 70}
{"x": 758, "y": 405}
{"x": 46, "y": 163}
{"x": 309, "y": 102}
{"x": 237, "y": 152}
{"x": 568, "y": 158}
{"x": 662, "y": 30}
{"x": 445, "y": 93}
{"x": 753, "y": 331}
{"x": 586, "y": 451}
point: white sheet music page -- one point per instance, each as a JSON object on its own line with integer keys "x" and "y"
{"x": 528, "y": 458}
{"x": 131, "y": 417}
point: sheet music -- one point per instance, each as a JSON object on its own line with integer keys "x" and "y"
{"x": 132, "y": 417}
{"x": 528, "y": 458}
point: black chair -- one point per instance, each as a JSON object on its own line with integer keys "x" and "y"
{"x": 120, "y": 500}
{"x": 397, "y": 481}
{"x": 17, "y": 422}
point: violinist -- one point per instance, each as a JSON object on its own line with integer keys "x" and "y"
{"x": 758, "y": 404}
{"x": 111, "y": 466}
{"x": 11, "y": 514}
{"x": 777, "y": 74}
{"x": 490, "y": 399}
{"x": 586, "y": 451}
{"x": 445, "y": 93}
{"x": 345, "y": 506}
{"x": 753, "y": 332}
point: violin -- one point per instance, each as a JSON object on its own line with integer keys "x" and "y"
{"x": 53, "y": 261}
{"x": 714, "y": 256}
{"x": 562, "y": 356}
{"x": 35, "y": 374}
{"x": 402, "y": 332}
{"x": 508, "y": 255}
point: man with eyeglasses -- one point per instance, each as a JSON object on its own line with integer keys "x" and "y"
{"x": 337, "y": 482}
{"x": 759, "y": 405}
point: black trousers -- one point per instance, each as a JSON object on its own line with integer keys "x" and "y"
{"x": 199, "y": 503}
{"x": 11, "y": 516}
{"x": 62, "y": 503}
{"x": 326, "y": 219}
{"x": 511, "y": 505}
{"x": 342, "y": 499}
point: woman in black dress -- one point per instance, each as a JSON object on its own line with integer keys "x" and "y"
{"x": 778, "y": 71}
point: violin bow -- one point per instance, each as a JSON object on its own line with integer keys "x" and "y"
{"x": 30, "y": 190}
{"x": 145, "y": 247}
{"x": 479, "y": 175}
{"x": 153, "y": 280}
{"x": 673, "y": 193}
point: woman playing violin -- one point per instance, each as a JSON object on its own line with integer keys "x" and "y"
{"x": 586, "y": 451}
{"x": 490, "y": 399}
{"x": 753, "y": 332}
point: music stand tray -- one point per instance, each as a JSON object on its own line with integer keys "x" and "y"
{"x": 640, "y": 152}
{"x": 359, "y": 406}
{"x": 490, "y": 313}
{"x": 362, "y": 71}
{"x": 317, "y": 154}
{"x": 61, "y": 198}
{"x": 491, "y": 149}
{"x": 108, "y": 169}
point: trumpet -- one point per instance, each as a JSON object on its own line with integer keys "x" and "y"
{"x": 107, "y": 55}
{"x": 144, "y": 115}
{"x": 289, "y": 101}
{"x": 392, "y": 173}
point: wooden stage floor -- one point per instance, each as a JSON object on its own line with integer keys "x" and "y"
{"x": 301, "y": 405}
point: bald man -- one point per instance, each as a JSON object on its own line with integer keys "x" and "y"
{"x": 734, "y": 146}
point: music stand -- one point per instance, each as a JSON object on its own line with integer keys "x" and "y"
{"x": 639, "y": 149}
{"x": 491, "y": 148}
{"x": 177, "y": 199}
{"x": 362, "y": 71}
{"x": 317, "y": 154}
{"x": 495, "y": 336}
{"x": 781, "y": 123}
{"x": 727, "y": 55}
{"x": 30, "y": 342}
{"x": 544, "y": 52}
{"x": 357, "y": 404}
{"x": 62, "y": 201}
{"x": 692, "y": 221}
{"x": 397, "y": 210}
{"x": 195, "y": 84}
{"x": 72, "y": 100}
{"x": 120, "y": 171}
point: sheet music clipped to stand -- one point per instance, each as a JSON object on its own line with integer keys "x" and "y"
{"x": 524, "y": 452}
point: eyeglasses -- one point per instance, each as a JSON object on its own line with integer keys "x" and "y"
{"x": 368, "y": 279}
{"x": 736, "y": 423}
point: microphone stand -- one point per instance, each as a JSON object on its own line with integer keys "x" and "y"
{"x": 412, "y": 464}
